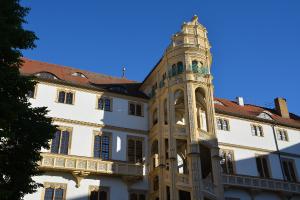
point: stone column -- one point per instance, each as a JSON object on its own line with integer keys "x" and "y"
{"x": 194, "y": 148}
{"x": 172, "y": 146}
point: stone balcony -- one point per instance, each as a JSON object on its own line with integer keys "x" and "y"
{"x": 81, "y": 166}
{"x": 260, "y": 183}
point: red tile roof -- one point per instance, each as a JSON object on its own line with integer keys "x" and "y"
{"x": 252, "y": 111}
{"x": 65, "y": 73}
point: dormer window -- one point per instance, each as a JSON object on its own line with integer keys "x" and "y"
{"x": 79, "y": 74}
{"x": 265, "y": 115}
{"x": 46, "y": 75}
{"x": 218, "y": 103}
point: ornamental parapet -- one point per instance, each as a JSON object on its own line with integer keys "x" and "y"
{"x": 71, "y": 163}
{"x": 260, "y": 183}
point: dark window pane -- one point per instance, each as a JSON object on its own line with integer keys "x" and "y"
{"x": 265, "y": 167}
{"x": 64, "y": 142}
{"x": 61, "y": 97}
{"x": 131, "y": 150}
{"x": 59, "y": 194}
{"x": 139, "y": 151}
{"x": 195, "y": 66}
{"x": 97, "y": 146}
{"x": 107, "y": 105}
{"x": 133, "y": 196}
{"x": 94, "y": 195}
{"x": 292, "y": 172}
{"x": 168, "y": 193}
{"x": 49, "y": 194}
{"x": 132, "y": 109}
{"x": 100, "y": 104}
{"x": 55, "y": 142}
{"x": 138, "y": 110}
{"x": 286, "y": 170}
{"x": 105, "y": 147}
{"x": 69, "y": 99}
{"x": 180, "y": 67}
{"x": 103, "y": 195}
{"x": 259, "y": 167}
{"x": 142, "y": 197}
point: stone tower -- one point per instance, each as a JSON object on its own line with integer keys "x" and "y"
{"x": 183, "y": 152}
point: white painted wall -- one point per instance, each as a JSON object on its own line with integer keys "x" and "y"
{"x": 118, "y": 188}
{"x": 84, "y": 108}
{"x": 240, "y": 135}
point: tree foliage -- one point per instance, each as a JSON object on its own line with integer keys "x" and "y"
{"x": 24, "y": 130}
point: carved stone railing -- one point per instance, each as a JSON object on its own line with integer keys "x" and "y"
{"x": 182, "y": 179}
{"x": 261, "y": 183}
{"x": 58, "y": 162}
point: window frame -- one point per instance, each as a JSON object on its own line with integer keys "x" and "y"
{"x": 284, "y": 131}
{"x": 135, "y": 106}
{"x": 104, "y": 98}
{"x": 135, "y": 138}
{"x": 233, "y": 161}
{"x": 54, "y": 186}
{"x": 137, "y": 192}
{"x": 102, "y": 133}
{"x": 223, "y": 120}
{"x": 61, "y": 129}
{"x": 93, "y": 188}
{"x": 65, "y": 98}
{"x": 34, "y": 92}
{"x": 258, "y": 130}
{"x": 268, "y": 165}
{"x": 294, "y": 168}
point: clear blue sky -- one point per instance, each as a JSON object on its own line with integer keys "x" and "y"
{"x": 255, "y": 43}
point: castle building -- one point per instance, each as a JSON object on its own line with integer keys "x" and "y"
{"x": 167, "y": 138}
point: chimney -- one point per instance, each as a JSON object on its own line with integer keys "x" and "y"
{"x": 240, "y": 101}
{"x": 281, "y": 107}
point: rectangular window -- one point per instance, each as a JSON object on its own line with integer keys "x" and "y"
{"x": 223, "y": 124}
{"x": 289, "y": 170}
{"x": 135, "y": 150}
{"x": 282, "y": 134}
{"x": 60, "y": 142}
{"x": 137, "y": 195}
{"x": 97, "y": 193}
{"x": 227, "y": 161}
{"x": 262, "y": 166}
{"x": 65, "y": 97}
{"x": 32, "y": 93}
{"x": 257, "y": 130}
{"x": 104, "y": 103}
{"x": 54, "y": 191}
{"x": 135, "y": 109}
{"x": 102, "y": 146}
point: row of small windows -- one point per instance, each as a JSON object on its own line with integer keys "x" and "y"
{"x": 262, "y": 165}
{"x": 103, "y": 103}
{"x": 256, "y": 130}
{"x": 57, "y": 191}
{"x": 61, "y": 141}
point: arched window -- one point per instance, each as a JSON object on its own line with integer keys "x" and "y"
{"x": 174, "y": 70}
{"x": 46, "y": 75}
{"x": 154, "y": 117}
{"x": 195, "y": 66}
{"x": 79, "y": 74}
{"x": 165, "y": 111}
{"x": 181, "y": 148}
{"x": 179, "y": 107}
{"x": 179, "y": 67}
{"x": 201, "y": 109}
